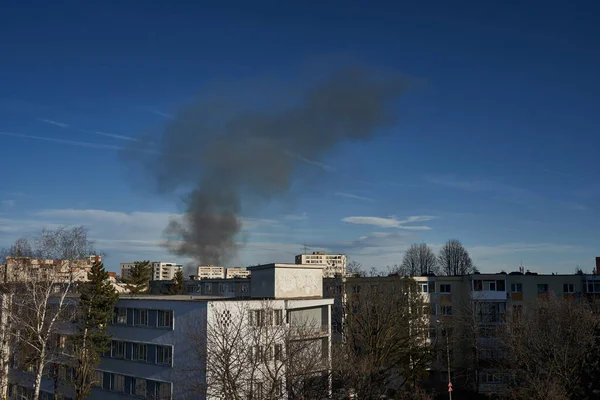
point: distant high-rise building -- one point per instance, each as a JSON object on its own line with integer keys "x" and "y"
{"x": 211, "y": 272}
{"x": 233, "y": 273}
{"x": 161, "y": 271}
{"x": 335, "y": 263}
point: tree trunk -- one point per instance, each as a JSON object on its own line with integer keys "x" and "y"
{"x": 55, "y": 377}
{"x": 39, "y": 371}
{"x": 5, "y": 350}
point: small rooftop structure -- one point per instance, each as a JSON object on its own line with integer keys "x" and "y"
{"x": 286, "y": 281}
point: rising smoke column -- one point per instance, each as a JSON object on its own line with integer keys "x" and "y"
{"x": 231, "y": 147}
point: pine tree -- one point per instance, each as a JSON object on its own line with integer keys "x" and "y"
{"x": 95, "y": 310}
{"x": 138, "y": 281}
{"x": 177, "y": 283}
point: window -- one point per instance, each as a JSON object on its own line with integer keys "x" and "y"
{"x": 208, "y": 288}
{"x": 445, "y": 288}
{"x": 278, "y": 387}
{"x": 260, "y": 318}
{"x": 447, "y": 310}
{"x": 517, "y": 310}
{"x": 486, "y": 332}
{"x": 568, "y": 288}
{"x": 278, "y": 352}
{"x": 593, "y": 286}
{"x": 257, "y": 353}
{"x": 490, "y": 311}
{"x": 447, "y": 331}
{"x": 164, "y": 355}
{"x": 356, "y": 289}
{"x": 163, "y": 390}
{"x": 278, "y": 317}
{"x": 140, "y": 316}
{"x": 258, "y": 390}
{"x": 98, "y": 379}
{"x": 542, "y": 288}
{"x": 423, "y": 288}
{"x": 431, "y": 287}
{"x": 244, "y": 288}
{"x": 267, "y": 353}
{"x": 501, "y": 286}
{"x": 117, "y": 349}
{"x": 165, "y": 318}
{"x": 226, "y": 287}
{"x": 118, "y": 383}
{"x": 516, "y": 287}
{"x": 433, "y": 309}
{"x": 477, "y": 285}
{"x": 120, "y": 316}
{"x": 140, "y": 352}
{"x": 487, "y": 377}
{"x": 140, "y": 387}
{"x": 489, "y": 285}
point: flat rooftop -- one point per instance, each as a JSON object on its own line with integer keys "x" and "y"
{"x": 200, "y": 298}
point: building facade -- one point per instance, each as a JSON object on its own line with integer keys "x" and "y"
{"x": 61, "y": 270}
{"x": 163, "y": 346}
{"x": 239, "y": 288}
{"x": 161, "y": 271}
{"x": 466, "y": 313}
{"x": 335, "y": 264}
{"x": 236, "y": 273}
{"x": 210, "y": 272}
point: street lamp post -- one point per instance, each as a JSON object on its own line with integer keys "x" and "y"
{"x": 448, "y": 361}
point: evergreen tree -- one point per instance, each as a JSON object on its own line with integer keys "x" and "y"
{"x": 138, "y": 281}
{"x": 95, "y": 310}
{"x": 177, "y": 283}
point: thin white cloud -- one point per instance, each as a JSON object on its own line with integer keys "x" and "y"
{"x": 324, "y": 167}
{"x": 158, "y": 112}
{"x": 8, "y": 203}
{"x": 81, "y": 144}
{"x": 253, "y": 223}
{"x": 521, "y": 247}
{"x": 391, "y": 222}
{"x": 354, "y": 196}
{"x": 105, "y": 134}
{"x": 55, "y": 123}
{"x": 295, "y": 217}
{"x": 136, "y": 218}
{"x": 502, "y": 191}
{"x": 64, "y": 141}
{"x": 113, "y": 135}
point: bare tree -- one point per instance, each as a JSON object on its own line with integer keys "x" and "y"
{"x": 552, "y": 345}
{"x": 419, "y": 259}
{"x": 255, "y": 352}
{"x": 473, "y": 333}
{"x": 355, "y": 268}
{"x": 454, "y": 259}
{"x": 41, "y": 271}
{"x": 385, "y": 331}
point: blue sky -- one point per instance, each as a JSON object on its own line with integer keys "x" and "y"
{"x": 497, "y": 144}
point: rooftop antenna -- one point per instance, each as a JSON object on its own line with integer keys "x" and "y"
{"x": 521, "y": 269}
{"x": 305, "y": 248}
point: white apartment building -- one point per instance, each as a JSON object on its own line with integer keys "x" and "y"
{"x": 210, "y": 272}
{"x": 237, "y": 273}
{"x": 335, "y": 264}
{"x": 161, "y": 271}
{"x": 159, "y": 342}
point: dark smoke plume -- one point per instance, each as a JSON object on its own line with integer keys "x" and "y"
{"x": 237, "y": 146}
